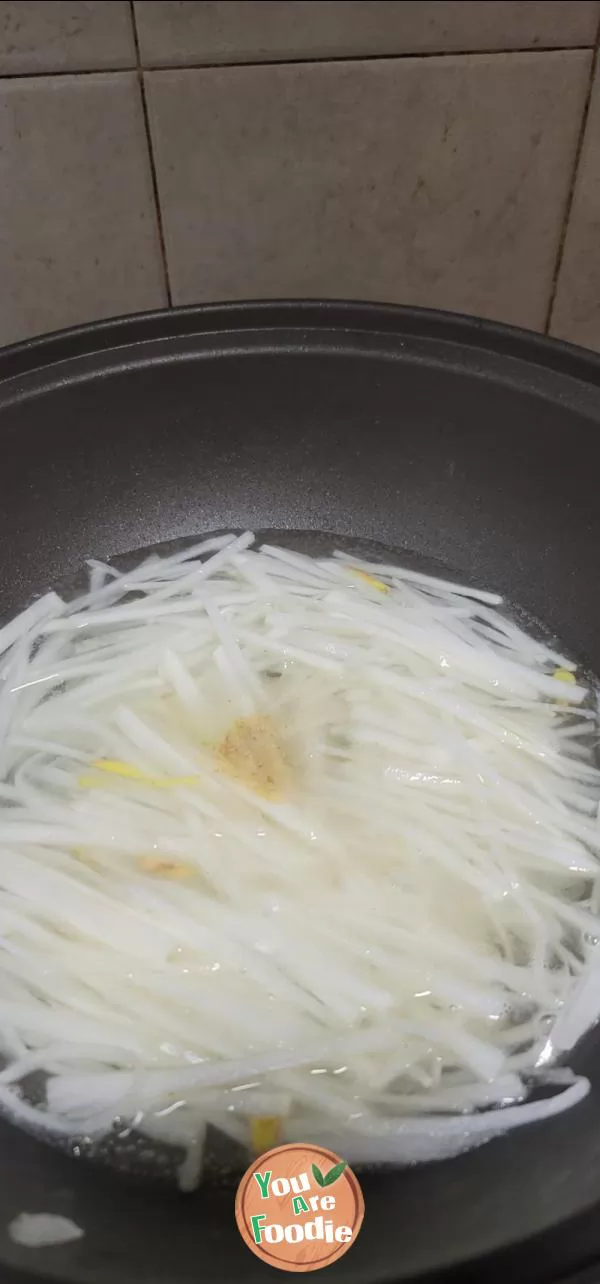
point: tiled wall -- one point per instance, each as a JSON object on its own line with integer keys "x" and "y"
{"x": 444, "y": 153}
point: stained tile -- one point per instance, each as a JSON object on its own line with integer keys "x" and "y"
{"x": 78, "y": 237}
{"x": 576, "y": 313}
{"x": 261, "y": 30}
{"x": 402, "y": 180}
{"x": 55, "y": 35}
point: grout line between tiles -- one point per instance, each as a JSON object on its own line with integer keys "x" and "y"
{"x": 291, "y": 62}
{"x": 383, "y": 57}
{"x": 155, "y": 191}
{"x": 572, "y": 187}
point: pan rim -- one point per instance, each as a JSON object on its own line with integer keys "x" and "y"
{"x": 312, "y": 315}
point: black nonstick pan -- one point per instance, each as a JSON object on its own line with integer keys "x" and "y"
{"x": 442, "y": 437}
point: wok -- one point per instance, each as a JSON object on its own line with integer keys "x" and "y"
{"x": 445, "y": 437}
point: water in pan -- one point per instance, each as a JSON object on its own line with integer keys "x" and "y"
{"x": 124, "y": 1146}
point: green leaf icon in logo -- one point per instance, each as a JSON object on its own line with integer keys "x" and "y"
{"x": 329, "y": 1178}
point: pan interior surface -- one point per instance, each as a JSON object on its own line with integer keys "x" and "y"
{"x": 440, "y": 438}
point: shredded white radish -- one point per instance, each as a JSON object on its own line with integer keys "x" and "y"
{"x": 294, "y": 839}
{"x": 43, "y": 1230}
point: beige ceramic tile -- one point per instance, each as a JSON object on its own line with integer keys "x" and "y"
{"x": 576, "y": 313}
{"x": 55, "y": 35}
{"x": 78, "y": 236}
{"x": 436, "y": 181}
{"x": 263, "y": 30}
